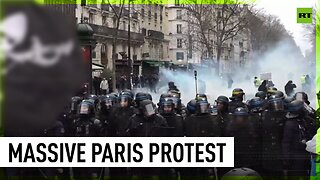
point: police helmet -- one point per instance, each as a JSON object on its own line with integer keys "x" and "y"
{"x": 94, "y": 99}
{"x": 240, "y": 111}
{"x": 127, "y": 92}
{"x": 75, "y": 101}
{"x": 202, "y": 107}
{"x": 175, "y": 93}
{"x": 261, "y": 94}
{"x": 296, "y": 107}
{"x": 237, "y": 94}
{"x": 86, "y": 108}
{"x": 242, "y": 174}
{"x": 275, "y": 103}
{"x": 280, "y": 94}
{"x": 201, "y": 97}
{"x": 192, "y": 106}
{"x": 140, "y": 96}
{"x": 271, "y": 91}
{"x": 222, "y": 99}
{"x": 107, "y": 102}
{"x": 125, "y": 99}
{"x": 256, "y": 104}
{"x": 166, "y": 106}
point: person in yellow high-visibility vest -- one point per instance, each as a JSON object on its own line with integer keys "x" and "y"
{"x": 257, "y": 82}
{"x": 303, "y": 82}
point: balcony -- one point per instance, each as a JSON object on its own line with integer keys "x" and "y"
{"x": 110, "y": 32}
{"x": 155, "y": 35}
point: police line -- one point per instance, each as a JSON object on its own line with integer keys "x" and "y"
{"x": 116, "y": 151}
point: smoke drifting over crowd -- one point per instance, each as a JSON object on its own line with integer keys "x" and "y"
{"x": 283, "y": 61}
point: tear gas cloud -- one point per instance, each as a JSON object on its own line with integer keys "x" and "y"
{"x": 283, "y": 61}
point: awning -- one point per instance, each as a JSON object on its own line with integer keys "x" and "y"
{"x": 96, "y": 66}
{"x": 154, "y": 63}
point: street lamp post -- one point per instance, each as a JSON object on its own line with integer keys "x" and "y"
{"x": 87, "y": 43}
{"x": 130, "y": 60}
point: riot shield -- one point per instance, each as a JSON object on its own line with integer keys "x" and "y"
{"x": 176, "y": 121}
{"x": 272, "y": 130}
{"x": 206, "y": 125}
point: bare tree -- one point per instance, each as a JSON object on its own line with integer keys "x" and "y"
{"x": 117, "y": 10}
{"x": 224, "y": 21}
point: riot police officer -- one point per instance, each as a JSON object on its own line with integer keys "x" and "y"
{"x": 237, "y": 100}
{"x": 94, "y": 99}
{"x": 67, "y": 119}
{"x": 201, "y": 124}
{"x": 147, "y": 123}
{"x": 86, "y": 125}
{"x": 311, "y": 124}
{"x": 118, "y": 126}
{"x": 166, "y": 109}
{"x": 223, "y": 113}
{"x": 107, "y": 105}
{"x": 245, "y": 139}
{"x": 121, "y": 115}
{"x": 272, "y": 129}
{"x": 295, "y": 158}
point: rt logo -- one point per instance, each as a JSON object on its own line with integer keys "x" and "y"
{"x": 304, "y": 15}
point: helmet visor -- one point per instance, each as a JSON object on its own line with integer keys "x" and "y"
{"x": 84, "y": 108}
{"x": 175, "y": 102}
{"x": 124, "y": 102}
{"x": 73, "y": 106}
{"x": 276, "y": 105}
{"x": 167, "y": 108}
{"x": 108, "y": 103}
{"x": 203, "y": 108}
{"x": 149, "y": 110}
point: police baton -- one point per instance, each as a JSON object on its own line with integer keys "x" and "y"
{"x": 196, "y": 82}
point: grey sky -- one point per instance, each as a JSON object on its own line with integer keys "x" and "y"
{"x": 286, "y": 10}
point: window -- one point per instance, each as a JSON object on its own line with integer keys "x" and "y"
{"x": 104, "y": 20}
{"x": 219, "y": 14}
{"x": 241, "y": 44}
{"x": 179, "y": 14}
{"x": 124, "y": 25}
{"x": 179, "y": 43}
{"x": 179, "y": 31}
{"x": 155, "y": 17}
{"x": 144, "y": 31}
{"x": 149, "y": 15}
{"x": 180, "y": 56}
{"x": 91, "y": 17}
{"x": 105, "y": 7}
{"x": 133, "y": 26}
{"x": 103, "y": 50}
{"x": 94, "y": 54}
{"x": 142, "y": 13}
{"x": 160, "y": 19}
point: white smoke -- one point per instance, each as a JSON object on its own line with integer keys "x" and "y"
{"x": 282, "y": 61}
